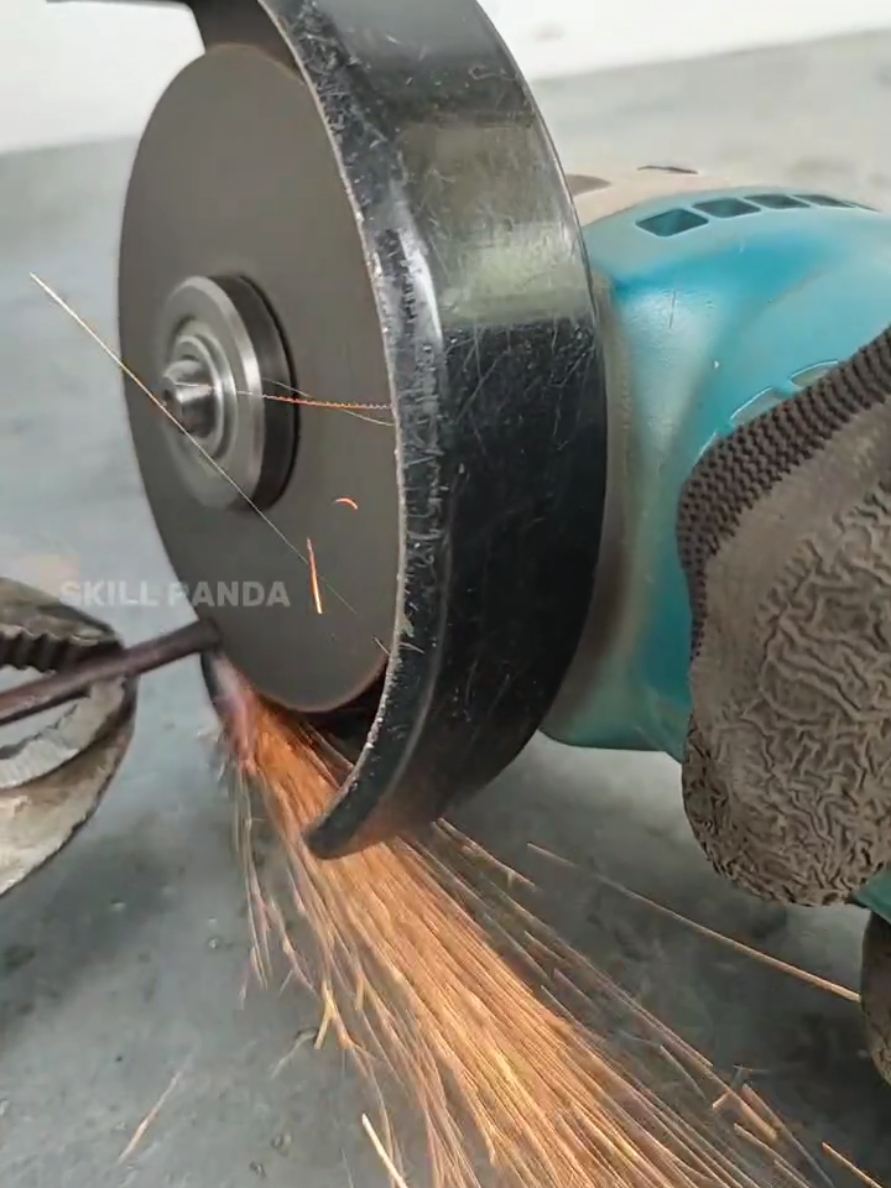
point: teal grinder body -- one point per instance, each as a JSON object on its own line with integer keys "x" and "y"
{"x": 715, "y": 304}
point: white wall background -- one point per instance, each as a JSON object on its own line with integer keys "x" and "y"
{"x": 81, "y": 71}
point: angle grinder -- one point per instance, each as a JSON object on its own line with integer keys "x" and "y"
{"x": 488, "y": 442}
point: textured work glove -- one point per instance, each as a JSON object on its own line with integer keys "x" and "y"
{"x": 784, "y": 532}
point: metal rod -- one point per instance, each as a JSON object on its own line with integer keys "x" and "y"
{"x": 54, "y": 690}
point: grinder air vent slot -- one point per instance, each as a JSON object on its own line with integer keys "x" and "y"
{"x": 826, "y": 200}
{"x": 672, "y": 222}
{"x": 778, "y": 201}
{"x": 681, "y": 219}
{"x": 726, "y": 208}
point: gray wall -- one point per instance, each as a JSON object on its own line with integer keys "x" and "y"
{"x": 83, "y": 71}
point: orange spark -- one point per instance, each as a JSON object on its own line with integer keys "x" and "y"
{"x": 846, "y": 1163}
{"x": 776, "y": 963}
{"x": 386, "y": 1159}
{"x": 414, "y": 987}
{"x": 140, "y": 1131}
{"x": 294, "y": 396}
{"x": 347, "y": 502}
{"x": 549, "y": 854}
{"x": 314, "y": 577}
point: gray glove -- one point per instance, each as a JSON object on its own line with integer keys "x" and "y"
{"x": 784, "y": 532}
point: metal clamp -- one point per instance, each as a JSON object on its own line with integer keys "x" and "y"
{"x": 52, "y": 781}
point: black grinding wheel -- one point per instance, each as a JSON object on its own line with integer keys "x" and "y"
{"x": 356, "y": 201}
{"x": 875, "y": 992}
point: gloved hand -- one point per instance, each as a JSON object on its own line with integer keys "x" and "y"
{"x": 784, "y": 531}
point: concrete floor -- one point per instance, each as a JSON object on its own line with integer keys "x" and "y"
{"x": 122, "y": 965}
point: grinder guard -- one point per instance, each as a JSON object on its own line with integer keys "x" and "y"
{"x": 378, "y": 176}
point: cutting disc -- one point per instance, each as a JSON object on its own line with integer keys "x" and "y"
{"x": 235, "y": 181}
{"x": 353, "y": 283}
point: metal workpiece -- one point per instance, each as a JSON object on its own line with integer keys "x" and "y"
{"x": 379, "y": 175}
{"x": 68, "y": 683}
{"x": 51, "y": 781}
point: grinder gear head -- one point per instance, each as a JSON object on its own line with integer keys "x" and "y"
{"x": 352, "y": 276}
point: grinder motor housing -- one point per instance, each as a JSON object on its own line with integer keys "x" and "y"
{"x": 716, "y": 302}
